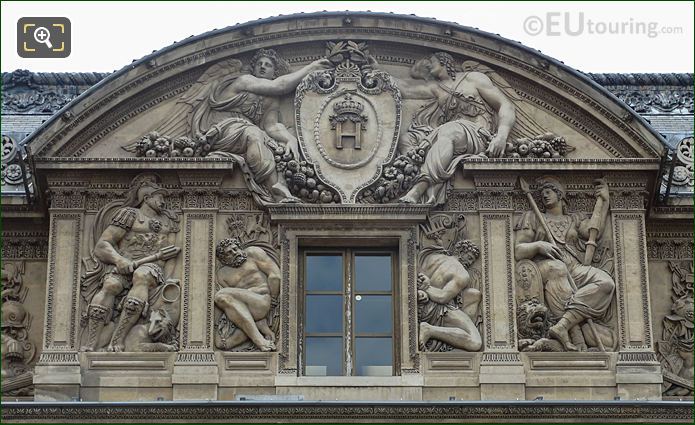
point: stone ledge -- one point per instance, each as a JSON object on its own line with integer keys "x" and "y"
{"x": 454, "y": 362}
{"x": 128, "y": 361}
{"x": 252, "y": 363}
{"x": 362, "y": 411}
{"x": 568, "y": 361}
{"x": 347, "y": 381}
{"x": 561, "y": 164}
{"x": 88, "y": 163}
{"x": 392, "y": 213}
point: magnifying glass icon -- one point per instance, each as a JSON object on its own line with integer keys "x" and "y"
{"x": 43, "y": 36}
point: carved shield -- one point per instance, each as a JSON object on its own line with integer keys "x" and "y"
{"x": 348, "y": 122}
{"x": 529, "y": 283}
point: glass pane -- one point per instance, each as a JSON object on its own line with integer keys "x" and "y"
{"x": 324, "y": 273}
{"x": 374, "y": 356}
{"x": 373, "y": 314}
{"x": 373, "y": 273}
{"x": 324, "y": 356}
{"x": 324, "y": 313}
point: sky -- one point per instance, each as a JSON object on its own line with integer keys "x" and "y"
{"x": 589, "y": 36}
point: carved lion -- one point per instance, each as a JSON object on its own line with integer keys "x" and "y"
{"x": 159, "y": 334}
{"x": 533, "y": 320}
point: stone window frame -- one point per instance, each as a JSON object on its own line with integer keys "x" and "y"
{"x": 402, "y": 237}
{"x": 348, "y": 254}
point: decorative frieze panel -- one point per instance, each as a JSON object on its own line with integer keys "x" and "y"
{"x": 24, "y": 245}
{"x": 494, "y": 200}
{"x": 199, "y": 198}
{"x": 629, "y": 199}
{"x": 96, "y": 199}
{"x": 237, "y": 200}
{"x": 67, "y": 198}
{"x": 669, "y": 249}
{"x": 431, "y": 412}
{"x": 460, "y": 200}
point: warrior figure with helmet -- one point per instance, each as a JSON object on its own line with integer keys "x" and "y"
{"x": 127, "y": 253}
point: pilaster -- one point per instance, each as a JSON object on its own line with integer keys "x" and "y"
{"x": 638, "y": 373}
{"x": 196, "y": 373}
{"x": 57, "y": 373}
{"x": 501, "y": 370}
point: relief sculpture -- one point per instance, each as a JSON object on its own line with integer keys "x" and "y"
{"x": 447, "y": 298}
{"x": 131, "y": 302}
{"x": 469, "y": 114}
{"x": 347, "y": 146}
{"x": 675, "y": 349}
{"x": 248, "y": 285}
{"x": 466, "y": 115}
{"x": 569, "y": 301}
{"x": 232, "y": 111}
{"x": 17, "y": 350}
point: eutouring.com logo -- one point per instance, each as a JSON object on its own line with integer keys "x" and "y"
{"x": 555, "y": 24}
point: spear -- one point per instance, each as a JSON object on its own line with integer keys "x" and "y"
{"x": 527, "y": 190}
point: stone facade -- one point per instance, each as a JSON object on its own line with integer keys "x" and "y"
{"x": 538, "y": 229}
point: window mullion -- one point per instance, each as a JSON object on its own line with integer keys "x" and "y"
{"x": 349, "y": 314}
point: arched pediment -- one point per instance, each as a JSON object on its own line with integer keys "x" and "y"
{"x": 130, "y": 102}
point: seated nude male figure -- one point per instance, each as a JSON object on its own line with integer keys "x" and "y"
{"x": 250, "y": 279}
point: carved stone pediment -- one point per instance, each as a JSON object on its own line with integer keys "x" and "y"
{"x": 136, "y": 100}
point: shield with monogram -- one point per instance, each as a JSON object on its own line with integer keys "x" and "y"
{"x": 348, "y": 120}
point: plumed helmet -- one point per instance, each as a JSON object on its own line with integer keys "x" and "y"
{"x": 146, "y": 189}
{"x": 143, "y": 185}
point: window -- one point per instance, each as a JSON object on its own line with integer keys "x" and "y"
{"x": 348, "y": 313}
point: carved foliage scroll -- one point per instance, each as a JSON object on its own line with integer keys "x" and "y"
{"x": 17, "y": 350}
